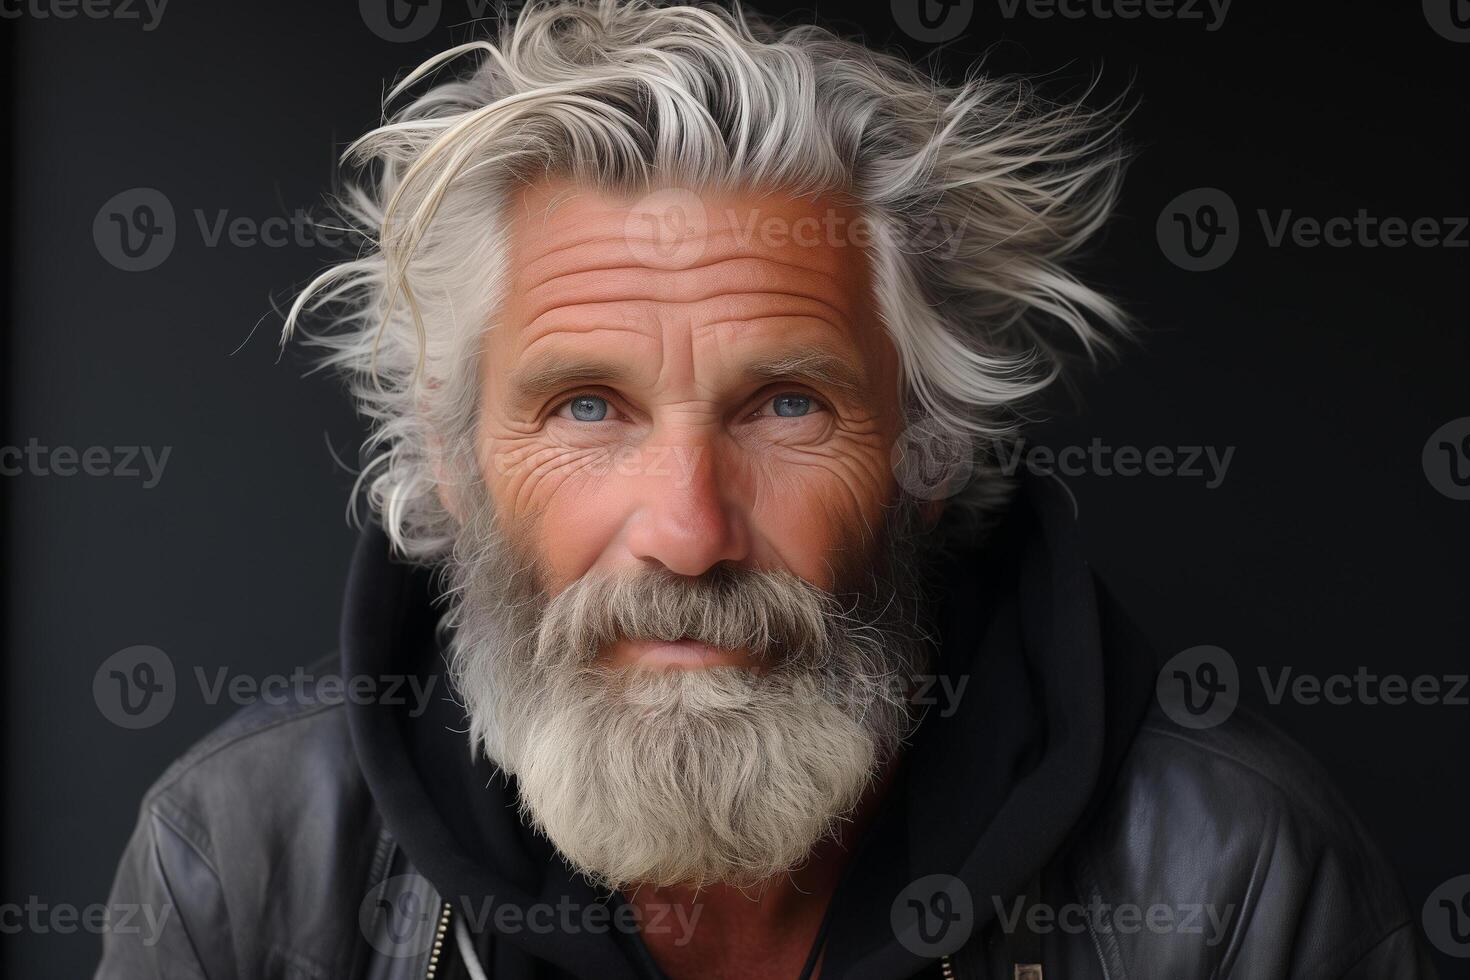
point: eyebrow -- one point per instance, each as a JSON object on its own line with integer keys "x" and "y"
{"x": 821, "y": 369}
{"x": 817, "y": 368}
{"x": 547, "y": 376}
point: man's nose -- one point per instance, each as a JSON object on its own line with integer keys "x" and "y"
{"x": 686, "y": 521}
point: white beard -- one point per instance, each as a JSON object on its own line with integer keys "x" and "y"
{"x": 660, "y": 777}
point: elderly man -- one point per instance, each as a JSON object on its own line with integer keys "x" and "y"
{"x": 687, "y": 343}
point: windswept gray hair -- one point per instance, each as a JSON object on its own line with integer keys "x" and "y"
{"x": 632, "y": 95}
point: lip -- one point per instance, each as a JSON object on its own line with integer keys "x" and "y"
{"x": 681, "y": 654}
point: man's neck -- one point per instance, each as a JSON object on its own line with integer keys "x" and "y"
{"x": 721, "y": 932}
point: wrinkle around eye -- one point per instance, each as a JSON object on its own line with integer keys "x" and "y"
{"x": 559, "y": 463}
{"x": 847, "y": 487}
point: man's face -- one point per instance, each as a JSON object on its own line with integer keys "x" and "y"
{"x": 684, "y": 439}
{"x": 731, "y": 399}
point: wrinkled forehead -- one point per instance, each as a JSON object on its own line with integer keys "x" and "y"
{"x": 681, "y": 245}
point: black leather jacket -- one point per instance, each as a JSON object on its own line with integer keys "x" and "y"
{"x": 297, "y": 842}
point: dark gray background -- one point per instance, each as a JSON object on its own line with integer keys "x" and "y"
{"x": 1327, "y": 369}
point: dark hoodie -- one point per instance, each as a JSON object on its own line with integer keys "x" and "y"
{"x": 1041, "y": 686}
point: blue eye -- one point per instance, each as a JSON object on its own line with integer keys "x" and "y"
{"x": 588, "y": 408}
{"x": 791, "y": 405}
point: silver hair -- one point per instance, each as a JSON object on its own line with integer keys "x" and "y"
{"x": 633, "y": 95}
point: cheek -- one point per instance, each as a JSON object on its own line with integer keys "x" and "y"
{"x": 574, "y": 530}
{"x": 565, "y": 499}
{"x": 814, "y": 507}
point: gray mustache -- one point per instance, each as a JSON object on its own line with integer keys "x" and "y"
{"x": 776, "y": 616}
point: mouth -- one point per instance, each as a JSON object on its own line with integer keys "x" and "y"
{"x": 681, "y": 654}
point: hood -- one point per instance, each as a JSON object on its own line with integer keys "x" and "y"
{"x": 1040, "y": 684}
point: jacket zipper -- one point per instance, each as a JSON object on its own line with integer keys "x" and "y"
{"x": 946, "y": 966}
{"x": 440, "y": 932}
